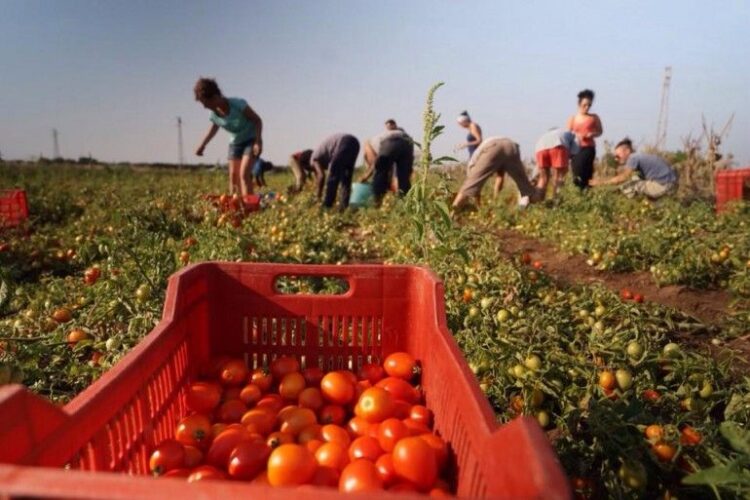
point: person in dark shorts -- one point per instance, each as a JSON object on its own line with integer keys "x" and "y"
{"x": 496, "y": 156}
{"x": 553, "y": 151}
{"x": 301, "y": 167}
{"x": 245, "y": 126}
{"x": 260, "y": 167}
{"x": 337, "y": 154}
{"x": 586, "y": 126}
{"x": 398, "y": 149}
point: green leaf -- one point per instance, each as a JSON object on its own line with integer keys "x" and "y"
{"x": 444, "y": 159}
{"x": 720, "y": 475}
{"x": 738, "y": 438}
{"x": 4, "y": 293}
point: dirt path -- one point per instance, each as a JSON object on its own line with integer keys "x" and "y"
{"x": 709, "y": 306}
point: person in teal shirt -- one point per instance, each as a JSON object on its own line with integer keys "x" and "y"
{"x": 244, "y": 125}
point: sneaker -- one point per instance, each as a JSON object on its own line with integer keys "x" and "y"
{"x": 523, "y": 202}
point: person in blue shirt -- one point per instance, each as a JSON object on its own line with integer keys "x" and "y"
{"x": 474, "y": 135}
{"x": 234, "y": 115}
{"x": 641, "y": 173}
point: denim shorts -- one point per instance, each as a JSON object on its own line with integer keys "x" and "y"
{"x": 237, "y": 151}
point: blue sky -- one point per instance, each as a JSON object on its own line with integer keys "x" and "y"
{"x": 113, "y": 76}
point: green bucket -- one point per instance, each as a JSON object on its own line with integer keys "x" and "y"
{"x": 361, "y": 194}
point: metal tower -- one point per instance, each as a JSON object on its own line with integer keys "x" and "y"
{"x": 661, "y": 127}
{"x": 55, "y": 145}
{"x": 179, "y": 141}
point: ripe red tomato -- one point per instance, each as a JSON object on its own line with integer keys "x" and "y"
{"x": 250, "y": 395}
{"x": 311, "y": 397}
{"x": 651, "y": 395}
{"x": 271, "y": 402}
{"x": 231, "y": 411}
{"x": 537, "y": 265}
{"x": 291, "y": 464}
{"x": 372, "y": 372}
{"x": 262, "y": 379}
{"x": 401, "y": 365}
{"x": 284, "y": 365}
{"x": 626, "y": 294}
{"x": 61, "y": 315}
{"x": 390, "y": 432}
{"x": 401, "y": 409}
{"x": 414, "y": 460}
{"x": 205, "y": 473}
{"x": 416, "y": 428}
{"x": 76, "y": 335}
{"x": 248, "y": 459}
{"x": 689, "y": 436}
{"x": 422, "y": 414}
{"x": 337, "y": 388}
{"x": 261, "y": 419}
{"x": 297, "y": 419}
{"x": 360, "y": 475}
{"x": 400, "y": 389}
{"x": 365, "y": 447}
{"x": 358, "y": 426}
{"x": 313, "y": 375}
{"x": 332, "y": 414}
{"x": 203, "y": 397}
{"x": 223, "y": 444}
{"x": 526, "y": 258}
{"x": 637, "y": 298}
{"x": 374, "y": 405}
{"x": 387, "y": 473}
{"x": 276, "y": 439}
{"x": 91, "y": 275}
{"x": 233, "y": 372}
{"x": 168, "y": 455}
{"x": 440, "y": 448}
{"x": 291, "y": 385}
{"x": 193, "y": 457}
{"x": 194, "y": 430}
{"x": 326, "y": 476}
{"x": 183, "y": 473}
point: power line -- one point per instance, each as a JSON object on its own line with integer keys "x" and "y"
{"x": 661, "y": 126}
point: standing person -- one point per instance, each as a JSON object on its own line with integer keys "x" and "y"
{"x": 553, "y": 150}
{"x": 473, "y": 137}
{"x": 234, "y": 115}
{"x": 300, "y": 164}
{"x": 655, "y": 178}
{"x": 395, "y": 148}
{"x": 586, "y": 126}
{"x": 496, "y": 156}
{"x": 338, "y": 153}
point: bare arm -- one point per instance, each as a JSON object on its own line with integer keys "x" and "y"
{"x": 598, "y": 130}
{"x": 370, "y": 156}
{"x": 209, "y": 135}
{"x": 476, "y": 131}
{"x": 320, "y": 177}
{"x": 624, "y": 175}
{"x": 255, "y": 119}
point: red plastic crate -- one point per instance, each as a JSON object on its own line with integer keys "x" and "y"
{"x": 225, "y": 308}
{"x": 732, "y": 185}
{"x": 250, "y": 202}
{"x": 13, "y": 207}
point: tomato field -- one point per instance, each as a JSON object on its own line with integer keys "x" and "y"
{"x": 638, "y": 395}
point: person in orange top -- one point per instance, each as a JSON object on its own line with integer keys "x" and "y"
{"x": 586, "y": 126}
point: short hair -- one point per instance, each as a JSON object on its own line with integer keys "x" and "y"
{"x": 625, "y": 142}
{"x": 206, "y": 88}
{"x": 586, "y": 94}
{"x": 390, "y": 121}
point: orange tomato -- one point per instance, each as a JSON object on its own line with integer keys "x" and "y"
{"x": 262, "y": 419}
{"x": 689, "y": 436}
{"x": 414, "y": 460}
{"x": 313, "y": 445}
{"x": 276, "y": 439}
{"x": 194, "y": 430}
{"x": 654, "y": 432}
{"x": 401, "y": 365}
{"x": 203, "y": 397}
{"x": 607, "y": 380}
{"x": 291, "y": 385}
{"x": 309, "y": 433}
{"x": 334, "y": 433}
{"x": 665, "y": 452}
{"x": 371, "y": 372}
{"x": 291, "y": 464}
{"x": 390, "y": 432}
{"x": 365, "y": 447}
{"x": 337, "y": 388}
{"x": 298, "y": 419}
{"x": 359, "y": 476}
{"x": 387, "y": 473}
{"x": 332, "y": 455}
{"x": 374, "y": 405}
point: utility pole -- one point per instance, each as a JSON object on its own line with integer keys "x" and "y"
{"x": 661, "y": 126}
{"x": 179, "y": 141}
{"x": 55, "y": 145}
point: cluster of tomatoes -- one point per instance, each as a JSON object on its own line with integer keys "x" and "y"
{"x": 290, "y": 426}
{"x": 626, "y": 294}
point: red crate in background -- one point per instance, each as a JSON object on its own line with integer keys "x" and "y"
{"x": 14, "y": 207}
{"x": 732, "y": 185}
{"x": 215, "y": 309}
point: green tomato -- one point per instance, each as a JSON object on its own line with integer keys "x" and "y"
{"x": 519, "y": 371}
{"x": 543, "y": 419}
{"x": 600, "y": 311}
{"x": 634, "y": 350}
{"x": 143, "y": 293}
{"x": 503, "y": 315}
{"x": 624, "y": 379}
{"x": 633, "y": 475}
{"x": 533, "y": 362}
{"x": 706, "y": 390}
{"x": 671, "y": 350}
